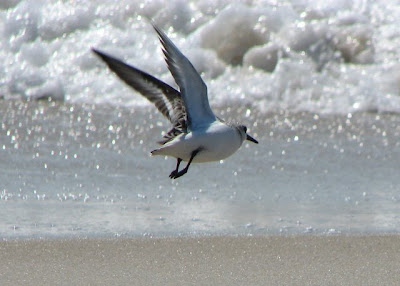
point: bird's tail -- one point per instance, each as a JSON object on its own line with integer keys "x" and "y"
{"x": 156, "y": 152}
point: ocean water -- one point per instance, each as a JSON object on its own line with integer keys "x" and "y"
{"x": 317, "y": 83}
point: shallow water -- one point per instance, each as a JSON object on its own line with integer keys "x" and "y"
{"x": 85, "y": 170}
{"x": 79, "y": 164}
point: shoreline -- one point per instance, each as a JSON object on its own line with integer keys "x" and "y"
{"x": 214, "y": 260}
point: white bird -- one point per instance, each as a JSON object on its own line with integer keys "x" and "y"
{"x": 197, "y": 135}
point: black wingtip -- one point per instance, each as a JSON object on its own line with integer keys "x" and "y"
{"x": 97, "y": 52}
{"x": 103, "y": 56}
{"x": 161, "y": 34}
{"x": 155, "y": 27}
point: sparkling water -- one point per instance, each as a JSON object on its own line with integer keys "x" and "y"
{"x": 316, "y": 82}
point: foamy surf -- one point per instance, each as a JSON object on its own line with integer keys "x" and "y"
{"x": 314, "y": 56}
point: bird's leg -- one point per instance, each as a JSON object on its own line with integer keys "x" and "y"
{"x": 184, "y": 171}
{"x": 174, "y": 172}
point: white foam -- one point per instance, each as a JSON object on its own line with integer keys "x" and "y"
{"x": 317, "y": 56}
{"x": 263, "y": 57}
{"x": 237, "y": 36}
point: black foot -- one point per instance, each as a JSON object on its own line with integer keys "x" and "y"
{"x": 174, "y": 174}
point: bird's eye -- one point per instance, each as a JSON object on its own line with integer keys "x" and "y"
{"x": 245, "y": 128}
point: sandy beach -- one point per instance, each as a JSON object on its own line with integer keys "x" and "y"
{"x": 221, "y": 260}
{"x": 316, "y": 202}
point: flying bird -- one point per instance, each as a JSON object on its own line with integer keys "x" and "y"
{"x": 197, "y": 135}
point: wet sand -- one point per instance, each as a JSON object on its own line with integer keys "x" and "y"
{"x": 221, "y": 260}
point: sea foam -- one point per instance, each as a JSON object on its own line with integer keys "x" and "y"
{"x": 324, "y": 57}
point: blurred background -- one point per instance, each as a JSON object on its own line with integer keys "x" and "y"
{"x": 316, "y": 82}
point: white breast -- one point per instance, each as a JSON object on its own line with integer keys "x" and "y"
{"x": 220, "y": 141}
{"x": 216, "y": 142}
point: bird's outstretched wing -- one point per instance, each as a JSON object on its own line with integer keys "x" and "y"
{"x": 167, "y": 99}
{"x": 192, "y": 88}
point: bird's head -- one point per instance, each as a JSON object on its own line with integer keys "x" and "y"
{"x": 243, "y": 132}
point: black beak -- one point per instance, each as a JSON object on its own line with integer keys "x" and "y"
{"x": 248, "y": 137}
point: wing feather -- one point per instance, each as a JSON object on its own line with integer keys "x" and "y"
{"x": 156, "y": 91}
{"x": 192, "y": 88}
{"x": 167, "y": 99}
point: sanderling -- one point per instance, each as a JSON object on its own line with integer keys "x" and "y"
{"x": 197, "y": 135}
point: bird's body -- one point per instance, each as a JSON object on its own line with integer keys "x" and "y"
{"x": 197, "y": 135}
{"x": 216, "y": 141}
